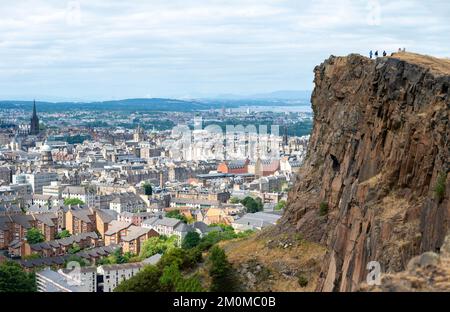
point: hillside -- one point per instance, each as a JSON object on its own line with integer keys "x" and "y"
{"x": 118, "y": 105}
{"x": 378, "y": 148}
{"x": 375, "y": 185}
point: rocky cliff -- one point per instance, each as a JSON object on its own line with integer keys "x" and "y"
{"x": 427, "y": 272}
{"x": 375, "y": 185}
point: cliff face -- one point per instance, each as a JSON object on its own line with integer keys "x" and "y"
{"x": 379, "y": 149}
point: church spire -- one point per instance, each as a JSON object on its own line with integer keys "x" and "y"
{"x": 34, "y": 108}
{"x": 34, "y": 123}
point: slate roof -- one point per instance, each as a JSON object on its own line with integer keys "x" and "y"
{"x": 23, "y": 220}
{"x": 75, "y": 190}
{"x": 237, "y": 164}
{"x": 259, "y": 219}
{"x": 135, "y": 232}
{"x": 106, "y": 215}
{"x": 63, "y": 241}
{"x": 168, "y": 222}
{"x": 59, "y": 260}
{"x": 46, "y": 218}
{"x": 82, "y": 214}
{"x": 117, "y": 226}
{"x": 123, "y": 266}
{"x": 153, "y": 259}
{"x": 205, "y": 228}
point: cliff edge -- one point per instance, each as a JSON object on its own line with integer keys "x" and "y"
{"x": 375, "y": 184}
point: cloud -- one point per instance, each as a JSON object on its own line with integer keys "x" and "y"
{"x": 113, "y": 49}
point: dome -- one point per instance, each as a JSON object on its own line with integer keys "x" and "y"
{"x": 46, "y": 148}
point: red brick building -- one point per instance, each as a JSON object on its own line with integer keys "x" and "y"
{"x": 234, "y": 167}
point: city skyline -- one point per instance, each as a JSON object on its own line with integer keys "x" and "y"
{"x": 84, "y": 51}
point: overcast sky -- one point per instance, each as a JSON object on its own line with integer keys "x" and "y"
{"x": 111, "y": 49}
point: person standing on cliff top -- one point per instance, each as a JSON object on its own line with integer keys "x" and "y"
{"x": 384, "y": 53}
{"x": 370, "y": 53}
{"x": 376, "y": 53}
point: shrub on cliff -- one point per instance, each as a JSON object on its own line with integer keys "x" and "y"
{"x": 221, "y": 271}
{"x": 439, "y": 189}
{"x": 323, "y": 209}
{"x": 302, "y": 281}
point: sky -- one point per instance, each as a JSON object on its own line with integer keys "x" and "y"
{"x": 90, "y": 50}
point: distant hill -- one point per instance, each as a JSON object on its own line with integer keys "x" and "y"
{"x": 276, "y": 95}
{"x": 118, "y": 105}
{"x": 279, "y": 98}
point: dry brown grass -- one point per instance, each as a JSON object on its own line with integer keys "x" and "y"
{"x": 393, "y": 206}
{"x": 301, "y": 257}
{"x": 436, "y": 65}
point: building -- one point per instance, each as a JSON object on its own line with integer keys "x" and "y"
{"x": 212, "y": 195}
{"x": 116, "y": 231}
{"x": 60, "y": 247}
{"x": 127, "y": 202}
{"x": 234, "y": 167}
{"x": 217, "y": 216}
{"x": 47, "y": 224}
{"x": 83, "y": 220}
{"x": 269, "y": 184}
{"x": 255, "y": 221}
{"x": 135, "y": 238}
{"x": 83, "y": 280}
{"x": 45, "y": 200}
{"x": 5, "y": 175}
{"x": 19, "y": 191}
{"x": 264, "y": 168}
{"x": 37, "y": 180}
{"x": 80, "y": 221}
{"x": 290, "y": 167}
{"x": 104, "y": 278}
{"x": 193, "y": 203}
{"x": 110, "y": 276}
{"x": 135, "y": 218}
{"x": 168, "y": 227}
{"x": 138, "y": 134}
{"x": 203, "y": 229}
{"x": 81, "y": 193}
{"x": 55, "y": 189}
{"x": 46, "y": 156}
{"x": 34, "y": 122}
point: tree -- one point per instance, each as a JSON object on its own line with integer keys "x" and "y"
{"x": 148, "y": 189}
{"x": 63, "y": 234}
{"x": 155, "y": 245}
{"x": 191, "y": 284}
{"x": 252, "y": 205}
{"x": 220, "y": 271}
{"x": 191, "y": 240}
{"x": 73, "y": 202}
{"x": 14, "y": 279}
{"x": 183, "y": 258}
{"x": 74, "y": 249}
{"x": 170, "y": 277}
{"x": 155, "y": 279}
{"x": 34, "y": 236}
{"x": 234, "y": 200}
{"x": 281, "y": 205}
{"x": 176, "y": 215}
